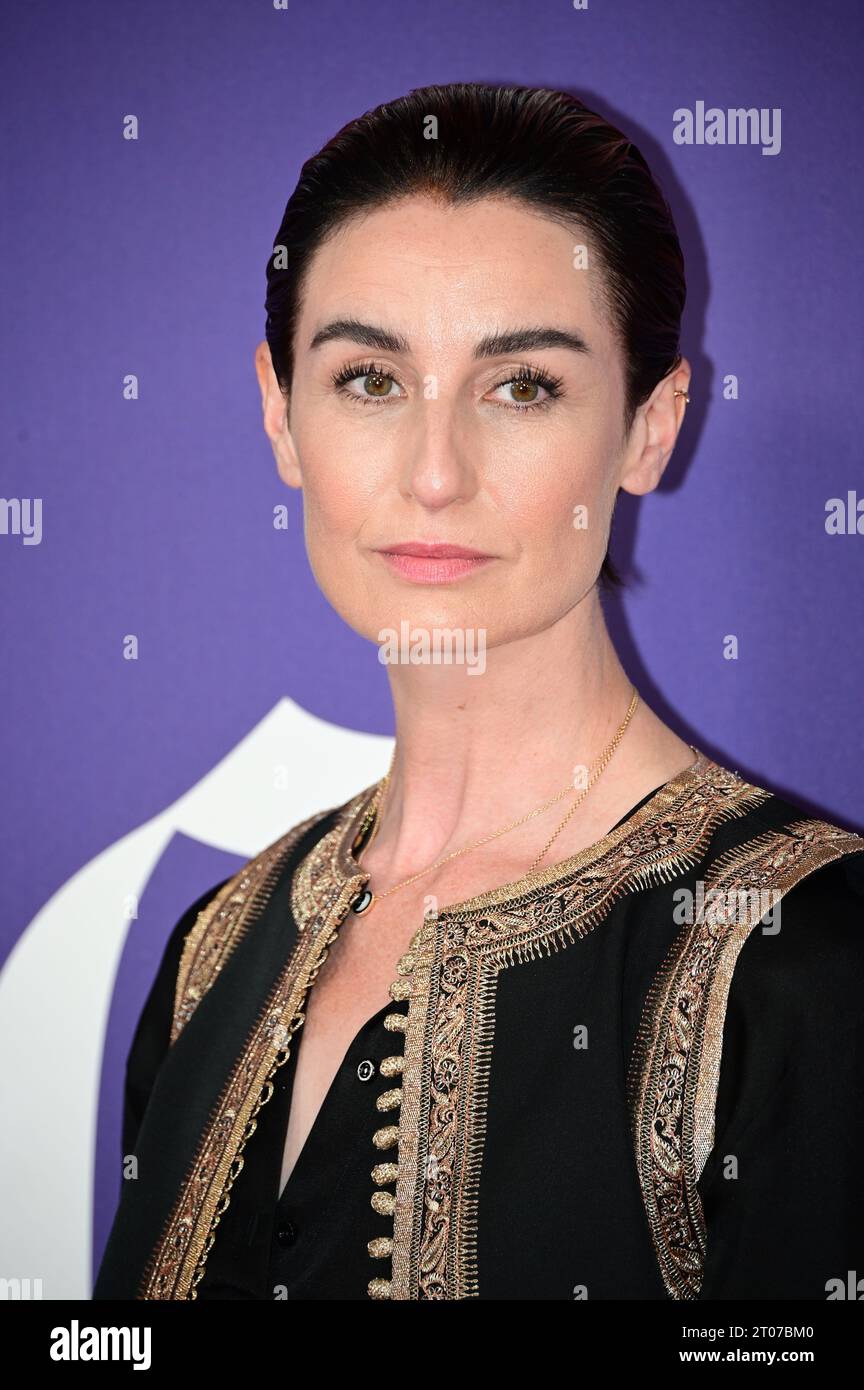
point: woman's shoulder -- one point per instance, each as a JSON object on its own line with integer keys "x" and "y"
{"x": 760, "y": 837}
{"x": 212, "y": 906}
{"x": 789, "y": 955}
{"x": 211, "y": 930}
{"x": 758, "y": 1003}
{"x": 270, "y": 865}
{"x": 199, "y": 945}
{"x": 809, "y": 870}
{"x": 807, "y": 953}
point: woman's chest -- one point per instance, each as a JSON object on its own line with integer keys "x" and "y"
{"x": 352, "y": 983}
{"x": 479, "y": 1149}
{"x": 474, "y": 1139}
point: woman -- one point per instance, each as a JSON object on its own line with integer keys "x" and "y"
{"x": 561, "y": 1008}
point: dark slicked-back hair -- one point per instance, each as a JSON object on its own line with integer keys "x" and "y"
{"x": 543, "y": 147}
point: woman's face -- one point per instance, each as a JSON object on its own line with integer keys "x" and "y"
{"x": 422, "y": 423}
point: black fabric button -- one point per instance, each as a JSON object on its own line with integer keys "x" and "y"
{"x": 366, "y": 1070}
{"x": 287, "y": 1233}
{"x": 361, "y": 902}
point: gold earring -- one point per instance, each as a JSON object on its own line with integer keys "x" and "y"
{"x": 681, "y": 393}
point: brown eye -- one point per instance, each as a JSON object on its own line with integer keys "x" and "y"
{"x": 377, "y": 385}
{"x": 366, "y": 384}
{"x": 528, "y": 389}
{"x": 524, "y": 391}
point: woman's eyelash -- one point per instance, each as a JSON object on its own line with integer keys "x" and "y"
{"x": 552, "y": 385}
{"x": 355, "y": 369}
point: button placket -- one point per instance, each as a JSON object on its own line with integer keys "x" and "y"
{"x": 385, "y": 1174}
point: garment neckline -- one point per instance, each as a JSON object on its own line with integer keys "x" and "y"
{"x": 654, "y": 804}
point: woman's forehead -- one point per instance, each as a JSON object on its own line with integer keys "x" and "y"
{"x": 457, "y": 271}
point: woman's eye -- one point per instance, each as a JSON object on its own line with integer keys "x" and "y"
{"x": 371, "y": 386}
{"x": 366, "y": 385}
{"x": 525, "y": 393}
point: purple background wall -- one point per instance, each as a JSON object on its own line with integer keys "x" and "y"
{"x": 148, "y": 257}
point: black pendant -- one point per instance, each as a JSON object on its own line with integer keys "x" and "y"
{"x": 362, "y": 902}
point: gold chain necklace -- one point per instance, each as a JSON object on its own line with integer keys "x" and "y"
{"x": 366, "y": 898}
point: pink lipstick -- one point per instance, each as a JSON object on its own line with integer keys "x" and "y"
{"x": 432, "y": 562}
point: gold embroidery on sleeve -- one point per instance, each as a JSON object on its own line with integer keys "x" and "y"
{"x": 675, "y": 1066}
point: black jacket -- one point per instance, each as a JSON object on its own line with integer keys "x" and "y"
{"x": 542, "y": 1112}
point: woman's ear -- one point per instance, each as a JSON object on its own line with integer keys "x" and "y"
{"x": 274, "y": 406}
{"x": 655, "y": 431}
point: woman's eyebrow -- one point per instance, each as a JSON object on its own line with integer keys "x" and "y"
{"x": 513, "y": 340}
{"x": 368, "y": 334}
{"x": 500, "y": 344}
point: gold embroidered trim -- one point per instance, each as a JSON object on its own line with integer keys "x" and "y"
{"x": 323, "y": 872}
{"x": 526, "y": 920}
{"x": 449, "y": 1043}
{"x": 383, "y": 1174}
{"x": 453, "y": 964}
{"x": 224, "y": 922}
{"x": 675, "y": 1067}
{"x": 178, "y": 1261}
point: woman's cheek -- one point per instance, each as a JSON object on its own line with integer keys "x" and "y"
{"x": 333, "y": 494}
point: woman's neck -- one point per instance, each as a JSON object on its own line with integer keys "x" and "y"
{"x": 475, "y": 752}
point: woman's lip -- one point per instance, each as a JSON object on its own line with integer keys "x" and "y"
{"x": 435, "y": 550}
{"x": 433, "y": 569}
